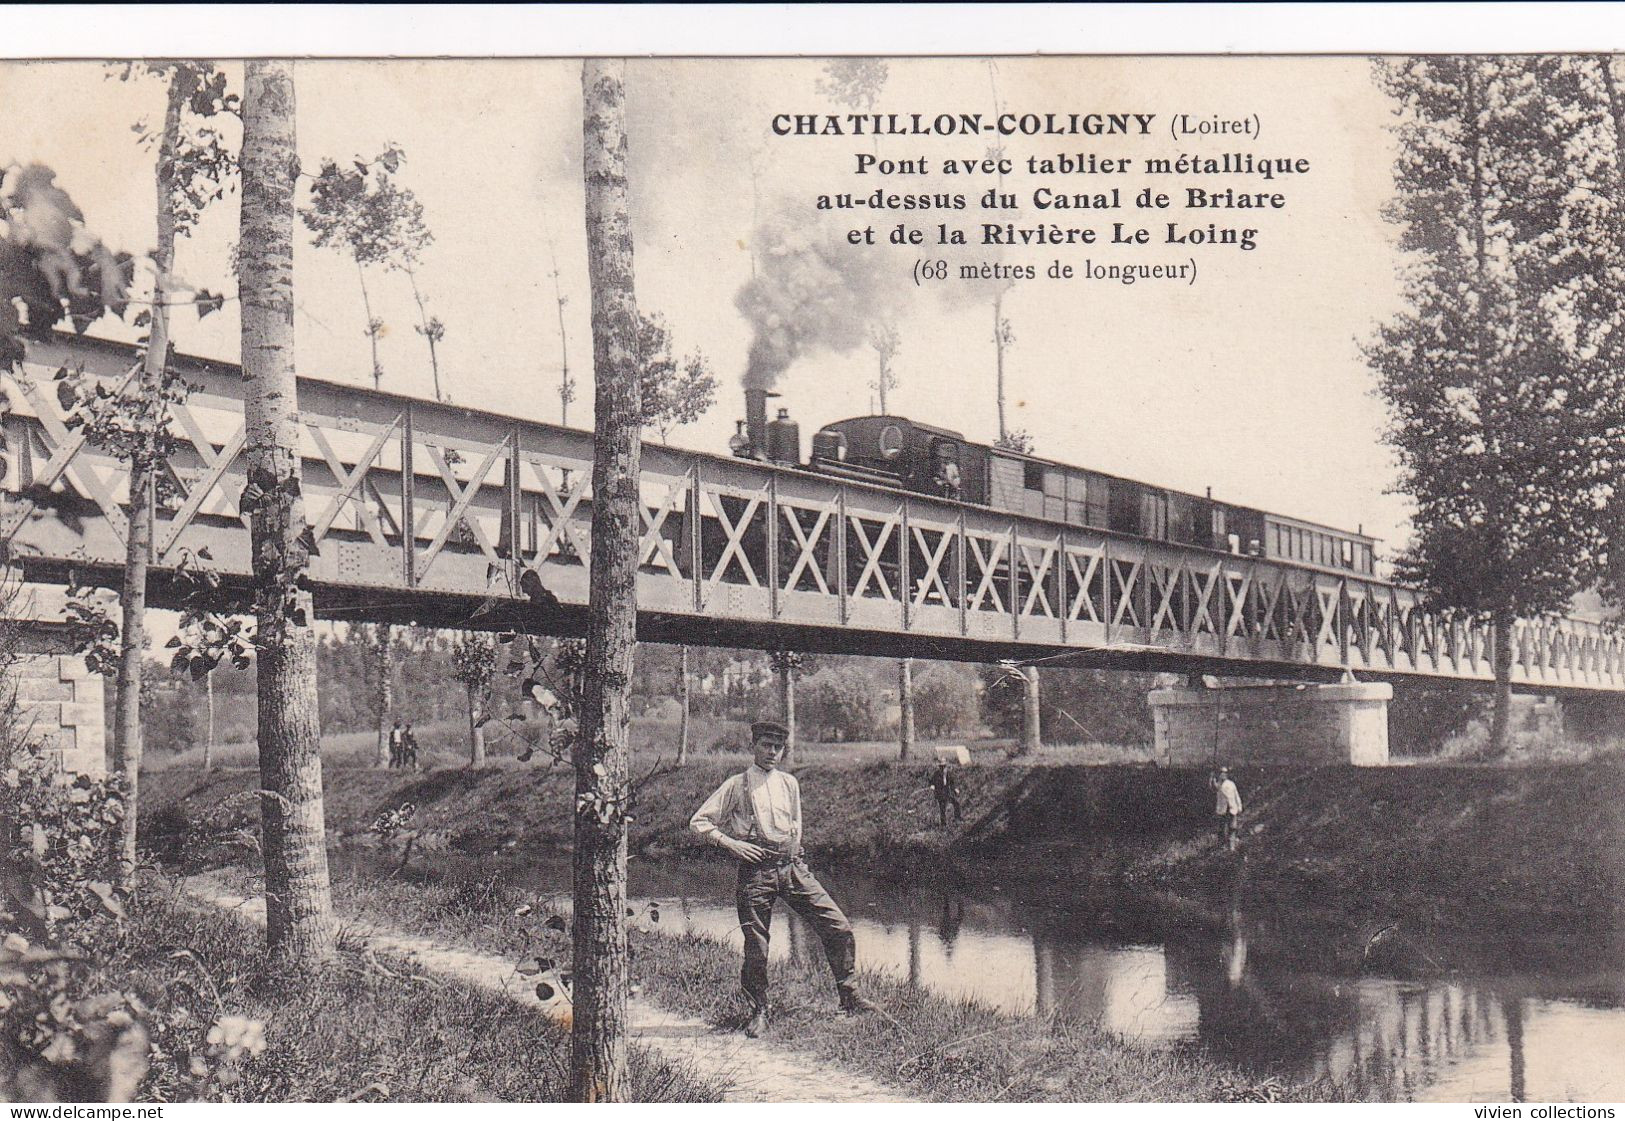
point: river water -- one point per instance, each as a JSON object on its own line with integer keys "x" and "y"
{"x": 1552, "y": 1031}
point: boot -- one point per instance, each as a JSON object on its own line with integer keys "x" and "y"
{"x": 757, "y": 1024}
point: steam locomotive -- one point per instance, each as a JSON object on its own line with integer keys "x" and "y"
{"x": 896, "y": 452}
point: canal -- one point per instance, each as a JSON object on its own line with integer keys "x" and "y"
{"x": 1551, "y": 1029}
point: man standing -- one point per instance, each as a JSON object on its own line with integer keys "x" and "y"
{"x": 409, "y": 747}
{"x": 756, "y": 816}
{"x": 1227, "y": 805}
{"x": 396, "y": 745}
{"x": 946, "y": 788}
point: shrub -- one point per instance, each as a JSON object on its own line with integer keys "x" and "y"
{"x": 840, "y": 703}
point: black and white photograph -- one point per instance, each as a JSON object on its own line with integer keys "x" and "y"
{"x": 860, "y": 577}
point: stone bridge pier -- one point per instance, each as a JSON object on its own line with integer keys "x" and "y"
{"x": 59, "y": 701}
{"x": 1278, "y": 723}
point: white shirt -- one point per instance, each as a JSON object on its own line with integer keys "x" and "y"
{"x": 754, "y": 803}
{"x": 1229, "y": 799}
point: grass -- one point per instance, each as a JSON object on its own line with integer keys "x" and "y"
{"x": 355, "y": 1032}
{"x": 927, "y": 1045}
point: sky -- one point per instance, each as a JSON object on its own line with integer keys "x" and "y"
{"x": 1249, "y": 381}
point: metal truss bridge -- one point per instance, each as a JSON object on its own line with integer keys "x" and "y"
{"x": 447, "y": 516}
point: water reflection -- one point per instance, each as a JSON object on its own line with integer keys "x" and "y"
{"x": 1167, "y": 980}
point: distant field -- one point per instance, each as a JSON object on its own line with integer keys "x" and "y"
{"x": 445, "y": 744}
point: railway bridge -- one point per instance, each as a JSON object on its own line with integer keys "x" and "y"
{"x": 431, "y": 513}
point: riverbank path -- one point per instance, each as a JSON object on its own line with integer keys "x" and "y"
{"x": 752, "y": 1070}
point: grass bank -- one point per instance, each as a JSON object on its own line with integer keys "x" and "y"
{"x": 927, "y": 1045}
{"x": 367, "y": 1028}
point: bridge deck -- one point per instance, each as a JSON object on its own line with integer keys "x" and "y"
{"x": 449, "y": 516}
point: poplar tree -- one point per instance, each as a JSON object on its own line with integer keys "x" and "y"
{"x": 601, "y": 755}
{"x": 299, "y": 908}
{"x": 1501, "y": 373}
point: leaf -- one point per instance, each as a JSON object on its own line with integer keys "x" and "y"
{"x": 528, "y": 968}
{"x": 599, "y": 769}
{"x": 66, "y": 396}
{"x": 523, "y": 910}
{"x": 204, "y": 554}
{"x": 545, "y": 991}
{"x": 556, "y": 922}
{"x": 172, "y": 643}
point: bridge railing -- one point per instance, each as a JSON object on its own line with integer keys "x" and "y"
{"x": 432, "y": 500}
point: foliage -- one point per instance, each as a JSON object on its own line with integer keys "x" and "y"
{"x": 59, "y": 851}
{"x": 672, "y": 392}
{"x": 205, "y": 166}
{"x": 362, "y": 211}
{"x": 51, "y": 270}
{"x": 945, "y": 701}
{"x": 854, "y": 82}
{"x": 1074, "y": 705}
{"x": 1502, "y": 374}
{"x": 841, "y": 703}
{"x": 88, "y": 612}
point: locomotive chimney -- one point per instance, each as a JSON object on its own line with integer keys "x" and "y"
{"x": 756, "y": 419}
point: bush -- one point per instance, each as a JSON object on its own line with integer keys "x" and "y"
{"x": 840, "y": 703}
{"x": 945, "y": 702}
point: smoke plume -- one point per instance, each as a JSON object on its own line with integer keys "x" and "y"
{"x": 811, "y": 292}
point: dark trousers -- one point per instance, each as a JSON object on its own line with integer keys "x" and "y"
{"x": 946, "y": 800}
{"x": 759, "y": 886}
{"x": 1227, "y": 830}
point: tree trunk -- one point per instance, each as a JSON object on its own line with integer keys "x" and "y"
{"x": 208, "y": 741}
{"x": 1031, "y": 736}
{"x": 682, "y": 722}
{"x": 787, "y": 703}
{"x": 905, "y": 708}
{"x": 384, "y": 690}
{"x": 299, "y": 909}
{"x": 598, "y": 1038}
{"x": 998, "y": 353}
{"x": 138, "y": 546}
{"x": 476, "y": 732}
{"x": 1501, "y": 664}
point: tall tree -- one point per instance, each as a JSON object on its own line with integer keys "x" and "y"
{"x": 143, "y": 471}
{"x": 474, "y": 666}
{"x": 672, "y": 392}
{"x": 192, "y": 169}
{"x": 905, "y": 708}
{"x": 1498, "y": 374}
{"x": 598, "y": 1038}
{"x": 379, "y": 640}
{"x": 785, "y": 664}
{"x": 299, "y": 907}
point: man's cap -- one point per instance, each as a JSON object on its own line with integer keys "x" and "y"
{"x": 769, "y": 729}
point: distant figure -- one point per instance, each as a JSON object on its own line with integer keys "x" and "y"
{"x": 948, "y": 479}
{"x": 1227, "y": 805}
{"x": 396, "y": 754}
{"x": 946, "y": 788}
{"x": 756, "y": 816}
{"x": 409, "y": 748}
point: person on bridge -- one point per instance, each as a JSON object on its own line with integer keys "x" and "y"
{"x": 756, "y": 816}
{"x": 1227, "y": 805}
{"x": 396, "y": 754}
{"x": 946, "y": 787}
